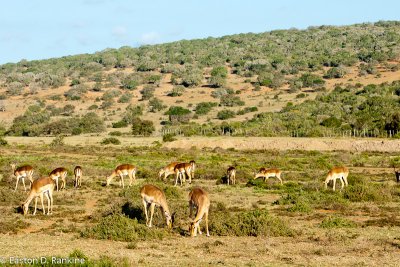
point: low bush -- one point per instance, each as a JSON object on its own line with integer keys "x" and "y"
{"x": 110, "y": 140}
{"x": 248, "y": 223}
{"x": 118, "y": 227}
{"x": 336, "y": 222}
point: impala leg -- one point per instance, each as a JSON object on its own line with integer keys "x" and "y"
{"x": 41, "y": 200}
{"x": 206, "y": 217}
{"x": 279, "y": 177}
{"x": 152, "y": 205}
{"x": 23, "y": 182}
{"x": 51, "y": 201}
{"x": 16, "y": 185}
{"x": 34, "y": 212}
{"x": 48, "y": 203}
{"x": 176, "y": 179}
{"x": 190, "y": 177}
{"x": 122, "y": 180}
{"x": 341, "y": 181}
{"x": 198, "y": 226}
{"x": 334, "y": 184}
{"x": 130, "y": 179}
{"x": 145, "y": 211}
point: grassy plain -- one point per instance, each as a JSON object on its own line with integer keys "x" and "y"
{"x": 251, "y": 224}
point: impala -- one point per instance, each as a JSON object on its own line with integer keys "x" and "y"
{"x": 121, "y": 170}
{"x": 42, "y": 186}
{"x": 22, "y": 172}
{"x": 153, "y": 196}
{"x": 184, "y": 168}
{"x": 340, "y": 173}
{"x": 78, "y": 176}
{"x": 267, "y": 173}
{"x": 231, "y": 175}
{"x": 198, "y": 198}
{"x": 167, "y": 170}
{"x": 59, "y": 173}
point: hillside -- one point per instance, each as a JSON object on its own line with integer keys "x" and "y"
{"x": 273, "y": 77}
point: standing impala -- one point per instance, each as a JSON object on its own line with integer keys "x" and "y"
{"x": 231, "y": 175}
{"x": 154, "y": 196}
{"x": 22, "y": 172}
{"x": 78, "y": 176}
{"x": 42, "y": 186}
{"x": 198, "y": 198}
{"x": 121, "y": 170}
{"x": 167, "y": 170}
{"x": 59, "y": 173}
{"x": 184, "y": 168}
{"x": 340, "y": 173}
{"x": 267, "y": 173}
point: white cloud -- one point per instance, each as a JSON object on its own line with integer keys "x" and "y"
{"x": 120, "y": 32}
{"x": 150, "y": 38}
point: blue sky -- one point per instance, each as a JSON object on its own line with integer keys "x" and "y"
{"x": 39, "y": 29}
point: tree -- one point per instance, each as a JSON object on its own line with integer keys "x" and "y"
{"x": 218, "y": 76}
{"x": 178, "y": 114}
{"x": 142, "y": 127}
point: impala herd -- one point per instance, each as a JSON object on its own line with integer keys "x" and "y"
{"x": 151, "y": 195}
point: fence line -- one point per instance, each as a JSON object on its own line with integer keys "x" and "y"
{"x": 231, "y": 131}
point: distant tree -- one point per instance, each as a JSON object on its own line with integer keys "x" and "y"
{"x": 142, "y": 127}
{"x": 156, "y": 104}
{"x": 218, "y": 76}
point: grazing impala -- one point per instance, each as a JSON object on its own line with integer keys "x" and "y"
{"x": 42, "y": 186}
{"x": 153, "y": 196}
{"x": 184, "y": 168}
{"x": 397, "y": 173}
{"x": 78, "y": 176}
{"x": 340, "y": 173}
{"x": 59, "y": 173}
{"x": 22, "y": 172}
{"x": 198, "y": 198}
{"x": 121, "y": 170}
{"x": 167, "y": 170}
{"x": 231, "y": 175}
{"x": 267, "y": 173}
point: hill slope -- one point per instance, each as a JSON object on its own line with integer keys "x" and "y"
{"x": 243, "y": 75}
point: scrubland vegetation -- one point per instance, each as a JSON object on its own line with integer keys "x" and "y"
{"x": 239, "y": 76}
{"x": 297, "y": 211}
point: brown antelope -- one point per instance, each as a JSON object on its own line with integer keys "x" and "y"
{"x": 340, "y": 173}
{"x": 231, "y": 175}
{"x": 198, "y": 198}
{"x": 121, "y": 170}
{"x": 22, "y": 172}
{"x": 167, "y": 170}
{"x": 59, "y": 173}
{"x": 267, "y": 173}
{"x": 153, "y": 196}
{"x": 78, "y": 176}
{"x": 184, "y": 168}
{"x": 42, "y": 186}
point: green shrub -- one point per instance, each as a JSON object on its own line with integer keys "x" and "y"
{"x": 115, "y": 133}
{"x": 336, "y": 222}
{"x": 119, "y": 124}
{"x": 168, "y": 138}
{"x": 248, "y": 223}
{"x": 117, "y": 227}
{"x": 142, "y": 127}
{"x": 110, "y": 140}
{"x": 205, "y": 107}
{"x": 225, "y": 114}
{"x": 3, "y": 142}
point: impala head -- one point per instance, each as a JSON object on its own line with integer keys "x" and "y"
{"x": 170, "y": 219}
{"x": 192, "y": 163}
{"x": 13, "y": 165}
{"x": 25, "y": 208}
{"x": 193, "y": 229}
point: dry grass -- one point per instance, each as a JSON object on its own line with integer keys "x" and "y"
{"x": 253, "y": 224}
